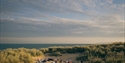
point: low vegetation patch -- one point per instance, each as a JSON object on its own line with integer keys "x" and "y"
{"x": 22, "y": 55}
{"x": 55, "y": 54}
{"x": 103, "y": 53}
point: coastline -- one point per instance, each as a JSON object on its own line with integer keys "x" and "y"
{"x": 106, "y": 53}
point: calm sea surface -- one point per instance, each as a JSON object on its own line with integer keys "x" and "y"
{"x": 37, "y": 46}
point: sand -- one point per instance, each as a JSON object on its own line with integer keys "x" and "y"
{"x": 64, "y": 57}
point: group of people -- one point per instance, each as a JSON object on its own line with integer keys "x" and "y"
{"x": 50, "y": 60}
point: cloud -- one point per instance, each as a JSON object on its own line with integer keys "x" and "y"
{"x": 65, "y": 21}
{"x": 87, "y": 7}
{"x": 61, "y": 18}
{"x": 103, "y": 26}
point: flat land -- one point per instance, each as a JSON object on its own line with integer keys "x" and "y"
{"x": 64, "y": 57}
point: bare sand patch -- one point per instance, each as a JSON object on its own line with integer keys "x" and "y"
{"x": 64, "y": 57}
{"x": 35, "y": 59}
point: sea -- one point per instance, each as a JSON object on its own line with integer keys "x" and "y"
{"x": 37, "y": 46}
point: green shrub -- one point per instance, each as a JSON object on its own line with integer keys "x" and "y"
{"x": 22, "y": 55}
{"x": 55, "y": 54}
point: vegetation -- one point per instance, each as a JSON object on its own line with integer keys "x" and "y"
{"x": 55, "y": 54}
{"x": 107, "y": 53}
{"x": 22, "y": 55}
{"x": 104, "y": 53}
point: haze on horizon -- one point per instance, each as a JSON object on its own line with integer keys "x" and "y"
{"x": 62, "y": 21}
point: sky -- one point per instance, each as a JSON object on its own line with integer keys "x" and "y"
{"x": 62, "y": 21}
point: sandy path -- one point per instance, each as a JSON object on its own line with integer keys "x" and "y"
{"x": 64, "y": 57}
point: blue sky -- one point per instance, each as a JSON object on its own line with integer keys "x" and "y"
{"x": 62, "y": 21}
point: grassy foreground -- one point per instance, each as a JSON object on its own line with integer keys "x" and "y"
{"x": 103, "y": 53}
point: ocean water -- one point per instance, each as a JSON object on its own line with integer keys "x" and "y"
{"x": 37, "y": 46}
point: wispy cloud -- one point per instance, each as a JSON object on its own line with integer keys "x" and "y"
{"x": 87, "y": 7}
{"x": 91, "y": 27}
{"x": 81, "y": 18}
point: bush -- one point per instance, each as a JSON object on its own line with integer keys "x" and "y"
{"x": 108, "y": 54}
{"x": 55, "y": 54}
{"x": 20, "y": 55}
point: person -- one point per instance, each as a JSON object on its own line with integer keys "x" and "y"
{"x": 70, "y": 61}
{"x": 67, "y": 61}
{"x": 53, "y": 61}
